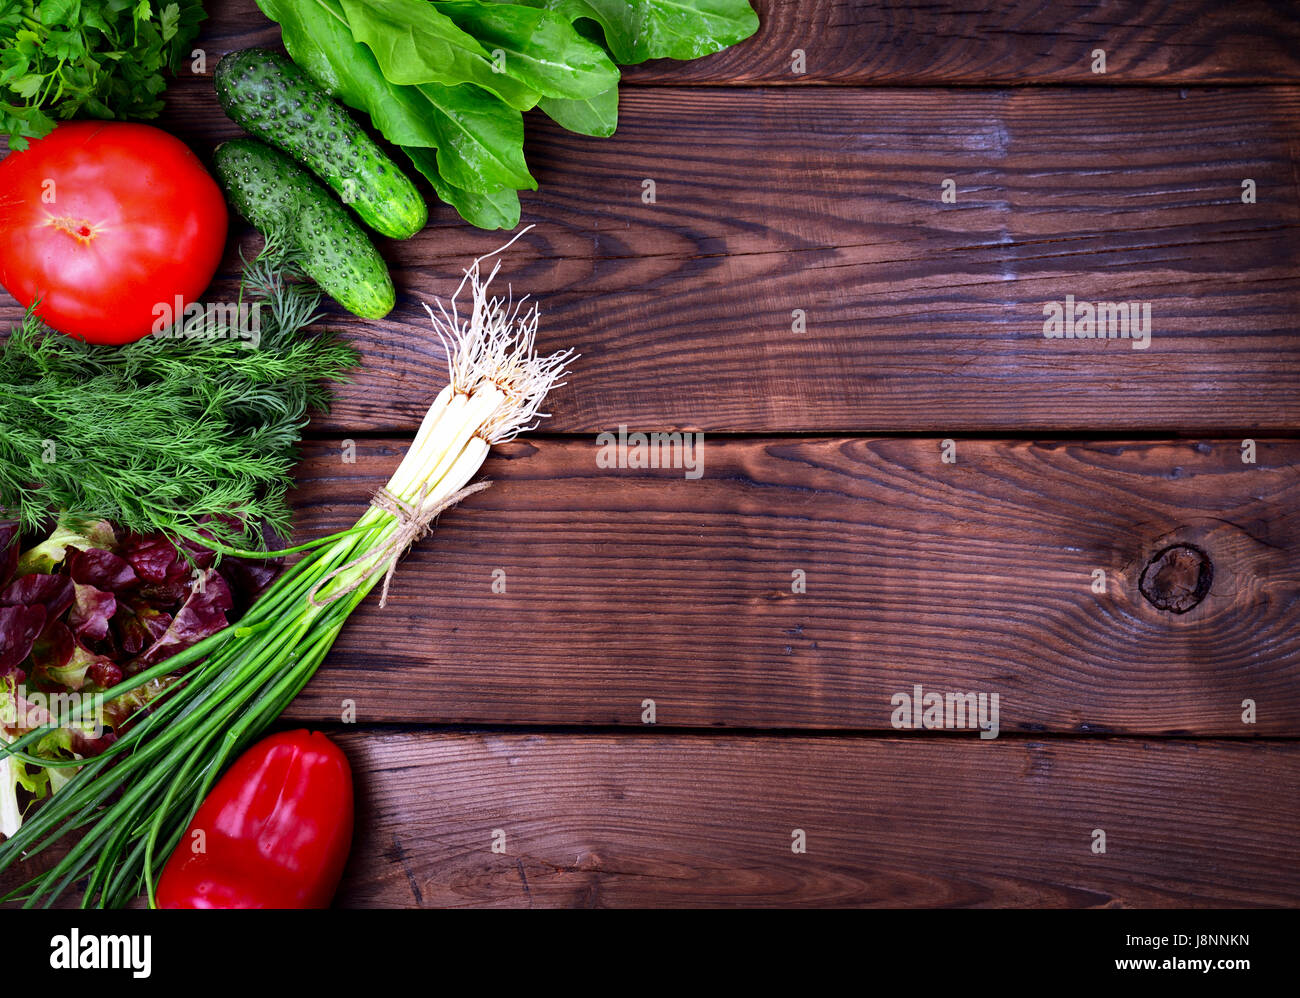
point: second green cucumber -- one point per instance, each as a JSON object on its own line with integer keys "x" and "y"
{"x": 280, "y": 198}
{"x": 273, "y": 99}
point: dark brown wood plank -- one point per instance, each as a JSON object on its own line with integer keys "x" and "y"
{"x": 676, "y": 820}
{"x": 627, "y": 585}
{"x": 602, "y": 821}
{"x": 921, "y": 316}
{"x": 960, "y": 41}
{"x": 1012, "y": 41}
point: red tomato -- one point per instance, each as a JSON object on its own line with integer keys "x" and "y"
{"x": 276, "y": 831}
{"x": 107, "y": 223}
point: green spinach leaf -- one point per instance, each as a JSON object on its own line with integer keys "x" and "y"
{"x": 538, "y": 48}
{"x": 480, "y": 140}
{"x": 497, "y": 209}
{"x": 591, "y": 116}
{"x": 637, "y": 30}
{"x": 415, "y": 44}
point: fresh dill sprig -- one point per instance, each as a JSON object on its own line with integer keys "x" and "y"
{"x": 174, "y": 430}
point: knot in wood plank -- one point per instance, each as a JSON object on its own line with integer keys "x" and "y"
{"x": 1177, "y": 578}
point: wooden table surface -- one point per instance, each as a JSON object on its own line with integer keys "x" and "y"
{"x": 831, "y": 555}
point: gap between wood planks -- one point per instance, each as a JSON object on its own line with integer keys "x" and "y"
{"x": 522, "y": 728}
{"x": 1029, "y": 434}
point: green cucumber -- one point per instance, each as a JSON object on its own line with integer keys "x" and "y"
{"x": 270, "y": 97}
{"x": 278, "y": 196}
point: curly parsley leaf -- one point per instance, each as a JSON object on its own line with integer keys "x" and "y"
{"x": 102, "y": 58}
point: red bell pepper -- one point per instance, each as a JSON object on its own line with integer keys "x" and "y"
{"x": 273, "y": 833}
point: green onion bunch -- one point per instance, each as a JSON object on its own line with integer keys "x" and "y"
{"x": 132, "y": 804}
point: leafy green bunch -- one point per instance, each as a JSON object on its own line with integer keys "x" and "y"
{"x": 448, "y": 80}
{"x": 101, "y": 58}
{"x": 176, "y": 433}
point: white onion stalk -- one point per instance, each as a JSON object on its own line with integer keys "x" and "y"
{"x": 496, "y": 385}
{"x": 135, "y": 800}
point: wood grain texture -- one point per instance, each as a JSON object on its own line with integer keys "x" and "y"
{"x": 921, "y": 316}
{"x": 602, "y": 821}
{"x": 959, "y": 42}
{"x": 623, "y": 585}
{"x": 672, "y": 820}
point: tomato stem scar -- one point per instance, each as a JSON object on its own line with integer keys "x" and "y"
{"x": 79, "y": 228}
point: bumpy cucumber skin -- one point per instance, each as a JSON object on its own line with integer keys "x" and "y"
{"x": 271, "y": 98}
{"x": 273, "y": 192}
